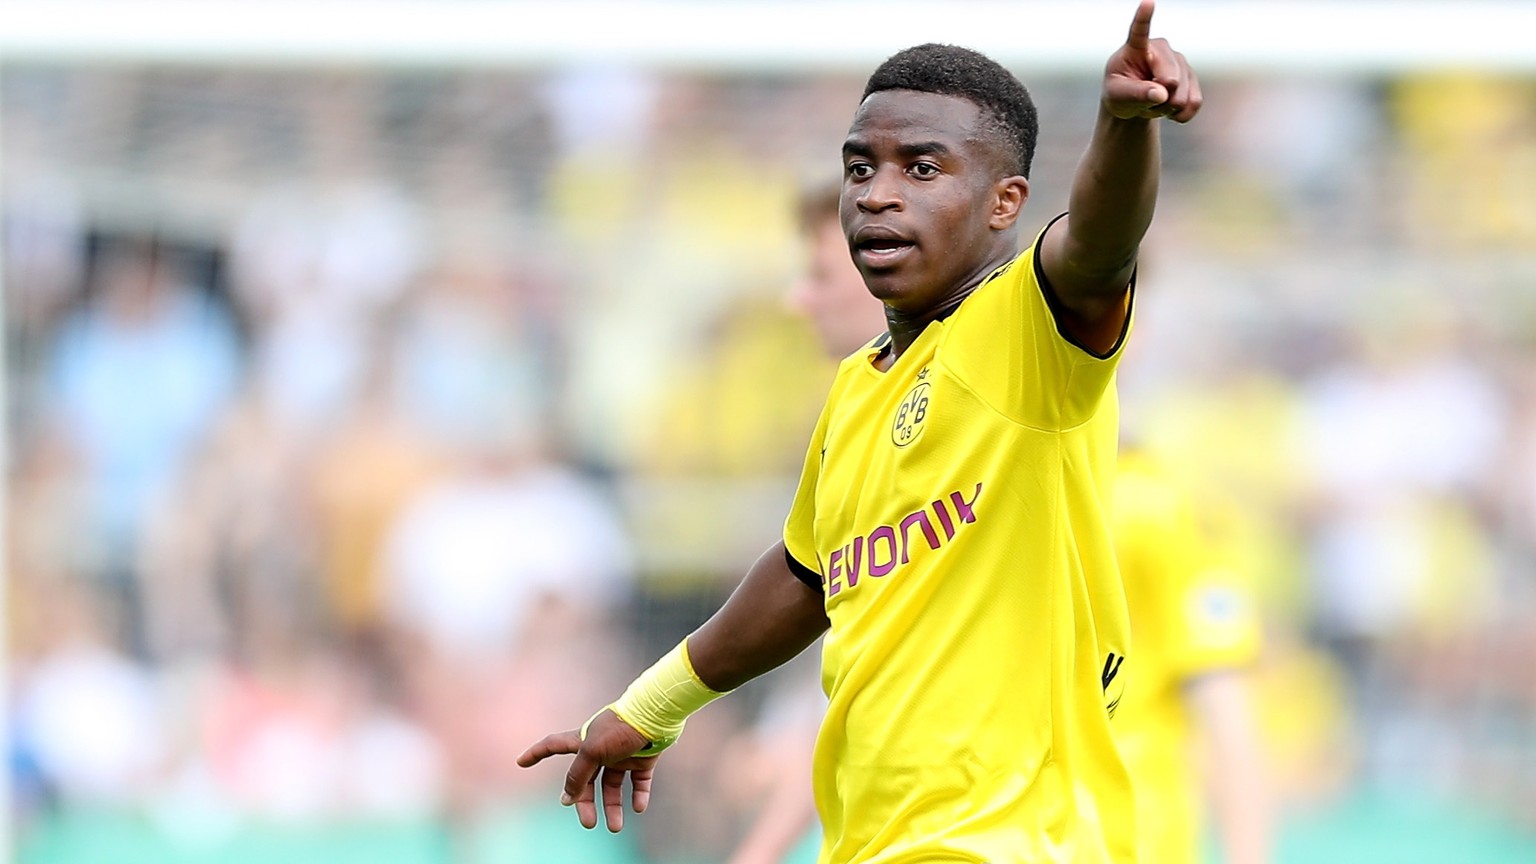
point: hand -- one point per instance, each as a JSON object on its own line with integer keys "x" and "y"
{"x": 609, "y": 747}
{"x": 1147, "y": 79}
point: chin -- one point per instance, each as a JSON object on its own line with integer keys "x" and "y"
{"x": 902, "y": 298}
{"x": 886, "y": 288}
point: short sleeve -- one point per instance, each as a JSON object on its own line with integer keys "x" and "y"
{"x": 1008, "y": 346}
{"x": 1175, "y": 578}
{"x": 800, "y": 526}
{"x": 1220, "y": 626}
{"x": 1213, "y": 621}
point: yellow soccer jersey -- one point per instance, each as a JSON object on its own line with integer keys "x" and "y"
{"x": 954, "y": 508}
{"x": 1189, "y": 616}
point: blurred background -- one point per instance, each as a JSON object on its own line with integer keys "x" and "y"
{"x": 371, "y": 412}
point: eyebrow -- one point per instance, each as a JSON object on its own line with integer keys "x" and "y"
{"x": 857, "y": 147}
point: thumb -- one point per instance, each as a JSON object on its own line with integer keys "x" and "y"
{"x": 1126, "y": 96}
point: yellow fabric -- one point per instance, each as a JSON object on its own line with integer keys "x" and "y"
{"x": 955, "y": 509}
{"x": 658, "y": 703}
{"x": 1190, "y": 615}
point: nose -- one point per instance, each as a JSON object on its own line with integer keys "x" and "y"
{"x": 880, "y": 192}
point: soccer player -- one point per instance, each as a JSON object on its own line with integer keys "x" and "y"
{"x": 830, "y": 293}
{"x": 950, "y": 532}
{"x": 1185, "y": 726}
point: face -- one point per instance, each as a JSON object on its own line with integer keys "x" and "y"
{"x": 926, "y": 208}
{"x": 832, "y": 294}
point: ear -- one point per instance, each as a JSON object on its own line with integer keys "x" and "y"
{"x": 1011, "y": 193}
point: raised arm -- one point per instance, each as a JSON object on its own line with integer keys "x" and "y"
{"x": 770, "y": 617}
{"x": 1089, "y": 256}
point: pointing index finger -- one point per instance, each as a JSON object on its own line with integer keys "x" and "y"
{"x": 1141, "y": 26}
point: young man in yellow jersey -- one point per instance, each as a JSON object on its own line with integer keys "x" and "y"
{"x": 950, "y": 533}
{"x": 1185, "y": 727}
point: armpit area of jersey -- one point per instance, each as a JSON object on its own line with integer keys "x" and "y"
{"x": 802, "y": 572}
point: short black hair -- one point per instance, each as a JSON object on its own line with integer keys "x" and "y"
{"x": 950, "y": 70}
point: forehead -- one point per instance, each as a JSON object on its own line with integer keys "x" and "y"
{"x": 915, "y": 115}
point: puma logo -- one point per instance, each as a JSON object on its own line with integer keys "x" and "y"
{"x": 1107, "y": 677}
{"x": 1111, "y": 669}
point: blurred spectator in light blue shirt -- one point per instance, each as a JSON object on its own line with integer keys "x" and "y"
{"x": 140, "y": 371}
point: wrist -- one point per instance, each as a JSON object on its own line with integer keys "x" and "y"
{"x": 658, "y": 703}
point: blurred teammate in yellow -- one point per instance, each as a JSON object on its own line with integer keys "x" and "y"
{"x": 1185, "y": 728}
{"x": 831, "y": 296}
{"x": 950, "y": 533}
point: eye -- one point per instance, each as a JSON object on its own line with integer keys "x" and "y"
{"x": 925, "y": 169}
{"x": 860, "y": 170}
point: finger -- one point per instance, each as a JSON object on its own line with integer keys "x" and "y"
{"x": 586, "y": 806}
{"x": 640, "y": 788}
{"x": 1133, "y": 94}
{"x": 1177, "y": 85}
{"x": 613, "y": 798}
{"x": 1141, "y": 27}
{"x": 560, "y": 743}
{"x": 578, "y": 780}
{"x": 1193, "y": 103}
{"x": 1165, "y": 65}
{"x": 1180, "y": 94}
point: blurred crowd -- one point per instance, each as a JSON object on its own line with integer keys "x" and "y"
{"x": 365, "y": 425}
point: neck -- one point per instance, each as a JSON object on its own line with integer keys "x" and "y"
{"x": 906, "y": 326}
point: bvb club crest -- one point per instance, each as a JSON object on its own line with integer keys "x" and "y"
{"x": 911, "y": 413}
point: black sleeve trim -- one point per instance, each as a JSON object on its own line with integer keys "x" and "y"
{"x": 1054, "y": 304}
{"x": 805, "y": 574}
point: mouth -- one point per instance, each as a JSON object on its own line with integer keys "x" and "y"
{"x": 879, "y": 247}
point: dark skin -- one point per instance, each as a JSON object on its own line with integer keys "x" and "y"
{"x": 769, "y": 619}
{"x": 927, "y": 205}
{"x": 930, "y": 210}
